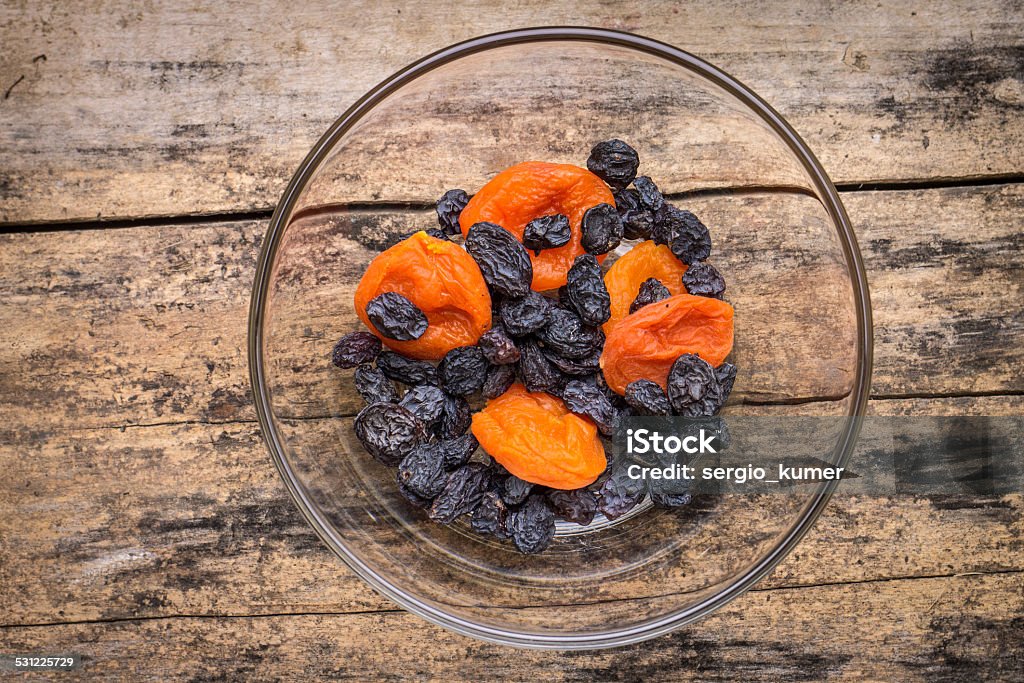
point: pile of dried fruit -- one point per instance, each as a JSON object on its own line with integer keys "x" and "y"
{"x": 522, "y": 316}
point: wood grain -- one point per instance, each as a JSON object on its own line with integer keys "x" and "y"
{"x": 169, "y": 108}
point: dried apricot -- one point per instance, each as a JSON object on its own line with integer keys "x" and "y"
{"x": 443, "y": 281}
{"x": 645, "y": 344}
{"x": 645, "y": 260}
{"x": 533, "y": 189}
{"x": 536, "y": 438}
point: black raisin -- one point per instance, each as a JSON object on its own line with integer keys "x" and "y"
{"x": 693, "y": 389}
{"x": 670, "y": 493}
{"x": 535, "y": 370}
{"x": 651, "y": 290}
{"x": 524, "y": 315}
{"x": 422, "y": 471}
{"x": 374, "y": 386}
{"x": 406, "y": 370}
{"x": 726, "y": 376}
{"x": 389, "y": 432}
{"x": 499, "y": 379}
{"x": 355, "y": 349}
{"x": 568, "y": 336}
{"x": 577, "y": 506}
{"x": 587, "y": 292}
{"x": 614, "y": 162}
{"x": 449, "y": 207}
{"x": 650, "y": 196}
{"x": 514, "y": 490}
{"x": 413, "y": 497}
{"x": 456, "y": 452}
{"x": 455, "y": 417}
{"x": 637, "y": 221}
{"x": 601, "y": 229}
{"x": 587, "y": 365}
{"x": 498, "y": 347}
{"x": 647, "y": 398}
{"x": 691, "y": 241}
{"x": 703, "y": 279}
{"x": 491, "y": 516}
{"x": 396, "y": 317}
{"x": 533, "y": 525}
{"x": 425, "y": 401}
{"x": 502, "y": 259}
{"x": 586, "y": 399}
{"x": 620, "y": 493}
{"x": 462, "y": 370}
{"x": 547, "y": 232}
{"x": 462, "y": 492}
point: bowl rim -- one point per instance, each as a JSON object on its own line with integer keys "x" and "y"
{"x": 823, "y": 184}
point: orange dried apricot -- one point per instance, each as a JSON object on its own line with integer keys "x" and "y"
{"x": 533, "y": 189}
{"x": 443, "y": 281}
{"x": 645, "y": 260}
{"x": 535, "y": 437}
{"x": 646, "y": 343}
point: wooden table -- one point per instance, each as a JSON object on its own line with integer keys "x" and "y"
{"x": 142, "y": 523}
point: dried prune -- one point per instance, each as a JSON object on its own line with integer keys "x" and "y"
{"x": 693, "y": 388}
{"x": 374, "y": 386}
{"x": 491, "y": 516}
{"x": 533, "y": 525}
{"x": 502, "y": 259}
{"x": 650, "y": 196}
{"x": 449, "y": 206}
{"x": 726, "y": 376}
{"x": 389, "y": 432}
{"x": 602, "y": 229}
{"x": 355, "y": 349}
{"x": 462, "y": 371}
{"x": 411, "y": 496}
{"x": 406, "y": 370}
{"x": 577, "y": 506}
{"x": 455, "y": 417}
{"x": 457, "y": 452}
{"x": 651, "y": 290}
{"x": 547, "y": 232}
{"x": 422, "y": 471}
{"x": 614, "y": 162}
{"x": 568, "y": 336}
{"x": 462, "y": 492}
{"x": 524, "y": 315}
{"x": 620, "y": 493}
{"x": 691, "y": 241}
{"x": 396, "y": 317}
{"x": 584, "y": 398}
{"x": 637, "y": 221}
{"x": 514, "y": 490}
{"x": 670, "y": 493}
{"x": 499, "y": 379}
{"x": 587, "y": 365}
{"x": 534, "y": 369}
{"x": 498, "y": 347}
{"x": 703, "y": 279}
{"x": 587, "y": 292}
{"x": 425, "y": 401}
{"x": 647, "y": 398}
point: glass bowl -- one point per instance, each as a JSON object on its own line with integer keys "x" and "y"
{"x": 453, "y": 120}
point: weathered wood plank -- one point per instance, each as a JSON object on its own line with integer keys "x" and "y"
{"x": 147, "y": 325}
{"x": 125, "y": 111}
{"x": 950, "y": 629}
{"x": 91, "y": 529}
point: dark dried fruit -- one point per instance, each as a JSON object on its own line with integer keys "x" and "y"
{"x": 502, "y": 259}
{"x": 425, "y": 401}
{"x": 637, "y": 221}
{"x": 726, "y": 376}
{"x": 462, "y": 370}
{"x": 568, "y": 336}
{"x": 449, "y": 206}
{"x": 670, "y": 493}
{"x": 614, "y": 162}
{"x": 456, "y": 452}
{"x": 534, "y": 368}
{"x": 601, "y": 228}
{"x": 647, "y": 398}
{"x": 587, "y": 365}
{"x": 650, "y": 196}
{"x": 498, "y": 347}
{"x": 499, "y": 379}
{"x": 374, "y": 386}
{"x": 691, "y": 241}
{"x": 396, "y": 317}
{"x": 455, "y": 418}
{"x": 620, "y": 493}
{"x": 355, "y": 349}
{"x": 587, "y": 292}
{"x": 586, "y": 399}
{"x": 461, "y": 493}
{"x": 406, "y": 370}
{"x": 389, "y": 432}
{"x": 703, "y": 279}
{"x": 547, "y": 232}
{"x": 524, "y": 315}
{"x": 491, "y": 516}
{"x": 422, "y": 471}
{"x": 533, "y": 525}
{"x": 651, "y": 290}
{"x": 693, "y": 389}
{"x": 514, "y": 490}
{"x": 413, "y": 497}
{"x": 577, "y": 506}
